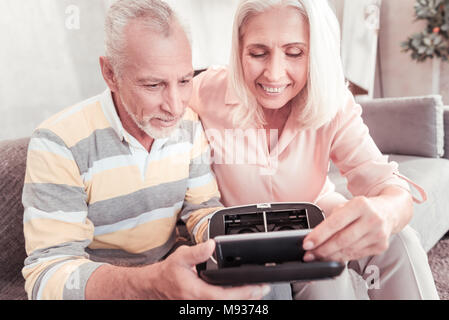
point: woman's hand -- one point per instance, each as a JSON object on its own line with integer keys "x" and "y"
{"x": 359, "y": 228}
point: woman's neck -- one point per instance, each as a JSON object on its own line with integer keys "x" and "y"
{"x": 277, "y": 118}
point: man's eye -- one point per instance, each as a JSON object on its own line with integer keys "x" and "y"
{"x": 153, "y": 85}
{"x": 185, "y": 81}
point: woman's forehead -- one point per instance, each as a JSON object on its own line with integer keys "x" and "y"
{"x": 284, "y": 25}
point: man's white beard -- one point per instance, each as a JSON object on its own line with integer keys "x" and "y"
{"x": 145, "y": 126}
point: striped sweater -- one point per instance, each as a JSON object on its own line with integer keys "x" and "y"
{"x": 94, "y": 195}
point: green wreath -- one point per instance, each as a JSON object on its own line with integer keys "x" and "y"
{"x": 434, "y": 40}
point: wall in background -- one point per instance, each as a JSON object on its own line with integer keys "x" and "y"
{"x": 400, "y": 75}
{"x": 48, "y": 62}
{"x": 210, "y": 25}
{"x": 50, "y": 51}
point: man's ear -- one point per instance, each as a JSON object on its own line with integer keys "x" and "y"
{"x": 108, "y": 74}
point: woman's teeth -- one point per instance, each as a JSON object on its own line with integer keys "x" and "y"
{"x": 272, "y": 89}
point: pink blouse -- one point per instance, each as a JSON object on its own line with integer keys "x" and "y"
{"x": 297, "y": 168}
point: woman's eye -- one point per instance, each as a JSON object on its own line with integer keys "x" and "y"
{"x": 294, "y": 53}
{"x": 257, "y": 54}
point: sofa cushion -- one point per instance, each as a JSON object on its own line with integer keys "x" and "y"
{"x": 12, "y": 255}
{"x": 407, "y": 126}
{"x": 431, "y": 218}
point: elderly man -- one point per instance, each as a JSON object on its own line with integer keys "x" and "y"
{"x": 108, "y": 178}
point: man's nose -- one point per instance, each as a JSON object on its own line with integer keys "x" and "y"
{"x": 174, "y": 103}
{"x": 275, "y": 68}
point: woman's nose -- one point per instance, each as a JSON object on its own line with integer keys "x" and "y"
{"x": 275, "y": 68}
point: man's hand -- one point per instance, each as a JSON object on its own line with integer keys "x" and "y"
{"x": 173, "y": 278}
{"x": 176, "y": 278}
{"x": 359, "y": 228}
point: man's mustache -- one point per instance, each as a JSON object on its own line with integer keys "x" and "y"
{"x": 162, "y": 117}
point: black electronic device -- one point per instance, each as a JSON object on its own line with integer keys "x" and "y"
{"x": 262, "y": 243}
{"x": 259, "y": 248}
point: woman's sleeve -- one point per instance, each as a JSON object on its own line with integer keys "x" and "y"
{"x": 358, "y": 158}
{"x": 194, "y": 102}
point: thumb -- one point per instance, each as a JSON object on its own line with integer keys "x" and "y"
{"x": 199, "y": 253}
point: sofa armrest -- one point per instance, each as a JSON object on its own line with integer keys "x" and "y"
{"x": 446, "y": 132}
{"x": 407, "y": 126}
{"x": 13, "y": 154}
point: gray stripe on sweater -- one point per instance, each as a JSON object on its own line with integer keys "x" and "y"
{"x": 50, "y": 197}
{"x": 132, "y": 205}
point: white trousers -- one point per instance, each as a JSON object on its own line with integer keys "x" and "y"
{"x": 400, "y": 273}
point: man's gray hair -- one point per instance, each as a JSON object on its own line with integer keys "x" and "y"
{"x": 154, "y": 14}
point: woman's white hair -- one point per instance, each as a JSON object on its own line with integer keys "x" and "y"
{"x": 155, "y": 14}
{"x": 325, "y": 91}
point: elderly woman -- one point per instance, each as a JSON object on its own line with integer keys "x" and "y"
{"x": 277, "y": 117}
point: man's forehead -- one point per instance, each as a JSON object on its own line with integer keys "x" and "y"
{"x": 153, "y": 77}
{"x": 151, "y": 53}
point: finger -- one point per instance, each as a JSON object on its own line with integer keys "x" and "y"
{"x": 351, "y": 253}
{"x": 194, "y": 255}
{"x": 368, "y": 245}
{"x": 199, "y": 289}
{"x": 337, "y": 221}
{"x": 357, "y": 253}
{"x": 250, "y": 292}
{"x": 342, "y": 240}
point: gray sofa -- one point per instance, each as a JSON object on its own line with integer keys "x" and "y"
{"x": 414, "y": 132}
{"x": 411, "y": 129}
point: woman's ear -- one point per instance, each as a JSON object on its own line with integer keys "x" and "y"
{"x": 108, "y": 74}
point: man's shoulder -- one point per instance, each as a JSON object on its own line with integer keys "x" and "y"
{"x": 190, "y": 122}
{"x": 78, "y": 121}
{"x": 69, "y": 112}
{"x": 190, "y": 115}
